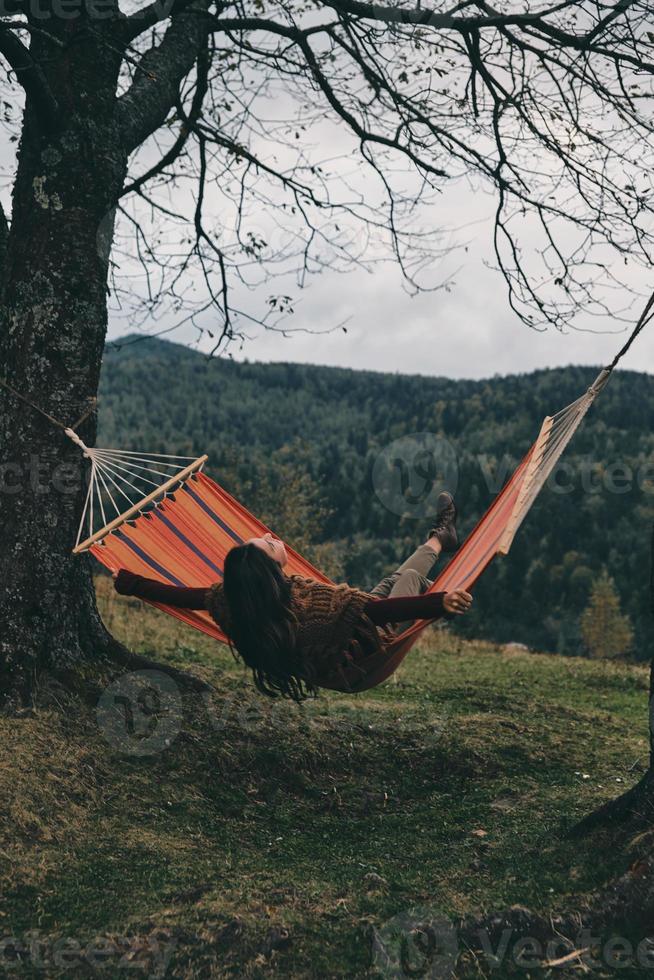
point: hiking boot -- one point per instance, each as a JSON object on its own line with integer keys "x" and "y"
{"x": 445, "y": 525}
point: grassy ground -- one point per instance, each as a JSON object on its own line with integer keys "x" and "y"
{"x": 267, "y": 840}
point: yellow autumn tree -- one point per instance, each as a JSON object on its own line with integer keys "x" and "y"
{"x": 605, "y": 630}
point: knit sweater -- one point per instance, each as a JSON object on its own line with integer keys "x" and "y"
{"x": 333, "y": 633}
{"x": 336, "y": 629}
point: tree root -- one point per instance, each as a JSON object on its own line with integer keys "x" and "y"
{"x": 119, "y": 654}
{"x": 636, "y": 805}
{"x": 86, "y": 679}
{"x": 624, "y": 907}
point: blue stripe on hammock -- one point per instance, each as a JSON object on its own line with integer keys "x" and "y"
{"x": 146, "y": 558}
{"x": 189, "y": 544}
{"x": 213, "y": 515}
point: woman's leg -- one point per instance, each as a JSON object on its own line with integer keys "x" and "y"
{"x": 414, "y": 575}
{"x": 423, "y": 560}
{"x": 410, "y": 581}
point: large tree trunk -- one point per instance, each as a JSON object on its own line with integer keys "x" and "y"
{"x": 54, "y": 318}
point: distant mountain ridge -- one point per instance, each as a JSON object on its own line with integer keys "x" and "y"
{"x": 260, "y": 422}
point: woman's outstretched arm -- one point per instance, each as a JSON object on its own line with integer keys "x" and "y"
{"x": 128, "y": 583}
{"x": 430, "y": 605}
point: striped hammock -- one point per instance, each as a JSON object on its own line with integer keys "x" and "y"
{"x": 179, "y": 531}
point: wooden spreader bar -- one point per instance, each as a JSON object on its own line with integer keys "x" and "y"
{"x": 137, "y": 508}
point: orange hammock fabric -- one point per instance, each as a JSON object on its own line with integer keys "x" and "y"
{"x": 184, "y": 540}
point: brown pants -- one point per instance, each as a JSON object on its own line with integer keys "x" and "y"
{"x": 413, "y": 577}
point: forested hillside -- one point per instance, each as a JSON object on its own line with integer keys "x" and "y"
{"x": 300, "y": 445}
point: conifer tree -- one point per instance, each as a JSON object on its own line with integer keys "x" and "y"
{"x": 605, "y": 630}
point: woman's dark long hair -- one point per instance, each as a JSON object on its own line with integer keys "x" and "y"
{"x": 263, "y": 628}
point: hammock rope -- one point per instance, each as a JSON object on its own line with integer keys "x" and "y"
{"x": 179, "y": 524}
{"x": 46, "y": 415}
{"x": 131, "y": 482}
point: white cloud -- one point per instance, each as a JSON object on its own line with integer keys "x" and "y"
{"x": 467, "y": 332}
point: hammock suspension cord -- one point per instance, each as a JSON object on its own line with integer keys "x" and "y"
{"x": 117, "y": 473}
{"x": 46, "y": 415}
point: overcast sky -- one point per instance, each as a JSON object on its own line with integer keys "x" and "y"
{"x": 468, "y": 332}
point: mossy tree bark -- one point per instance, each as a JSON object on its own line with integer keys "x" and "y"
{"x": 74, "y": 147}
{"x": 54, "y": 316}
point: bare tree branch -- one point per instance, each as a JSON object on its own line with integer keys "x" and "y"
{"x": 448, "y": 21}
{"x": 147, "y": 17}
{"x": 154, "y": 90}
{"x": 544, "y": 106}
{"x": 188, "y": 122}
{"x": 31, "y": 76}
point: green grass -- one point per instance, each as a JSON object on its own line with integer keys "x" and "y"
{"x": 252, "y": 842}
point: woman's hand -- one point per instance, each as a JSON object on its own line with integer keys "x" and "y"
{"x": 457, "y": 602}
{"x": 124, "y": 581}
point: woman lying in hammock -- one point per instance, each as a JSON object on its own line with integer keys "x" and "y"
{"x": 296, "y": 634}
